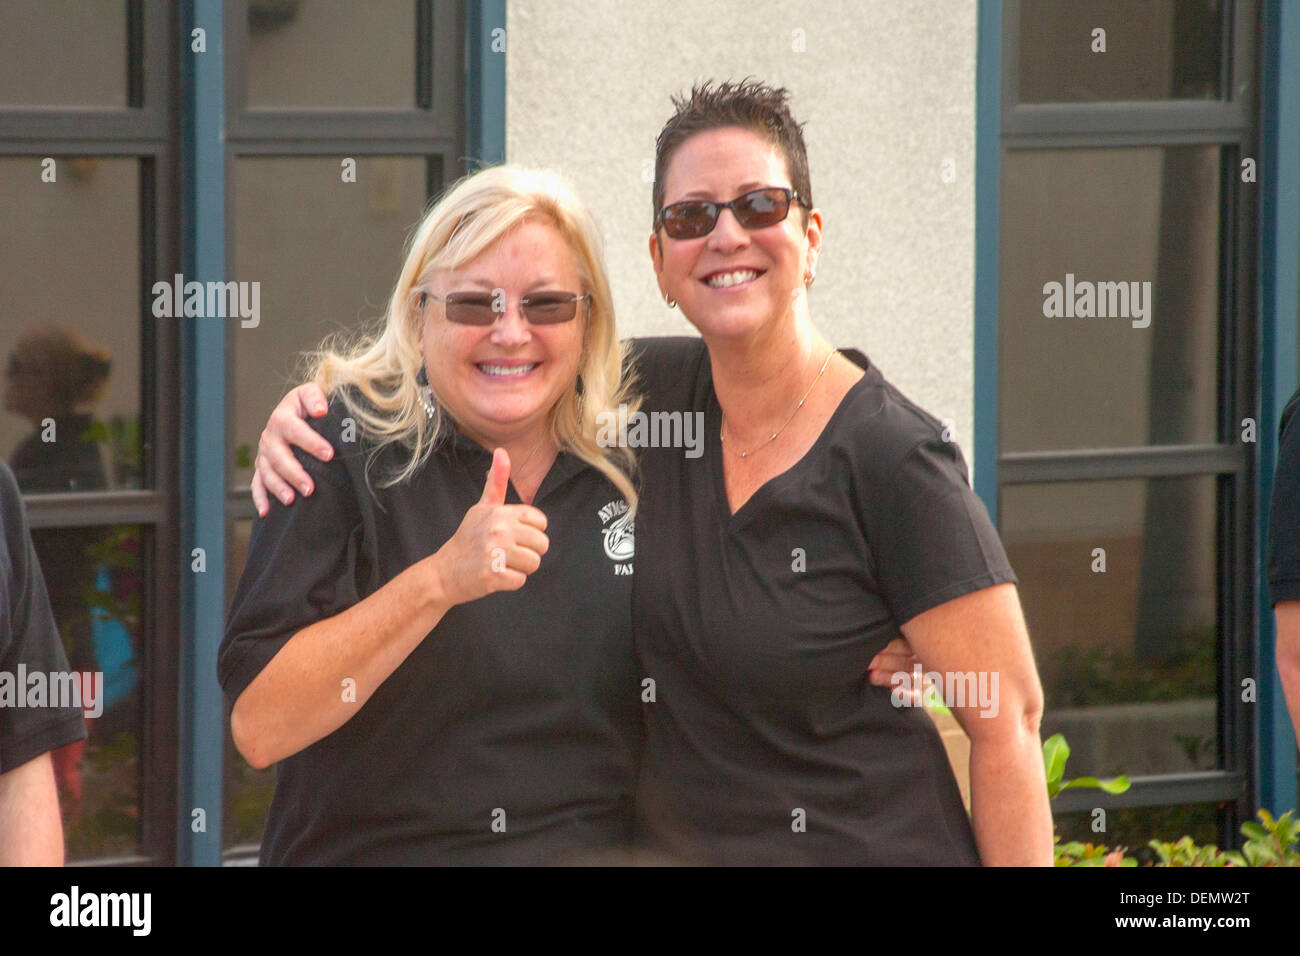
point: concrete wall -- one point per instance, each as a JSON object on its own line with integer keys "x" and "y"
{"x": 887, "y": 90}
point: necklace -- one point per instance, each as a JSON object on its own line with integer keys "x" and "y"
{"x": 745, "y": 454}
{"x": 523, "y": 464}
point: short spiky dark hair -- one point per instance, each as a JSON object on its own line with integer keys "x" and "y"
{"x": 749, "y": 105}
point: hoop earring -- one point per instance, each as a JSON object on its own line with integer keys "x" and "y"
{"x": 670, "y": 302}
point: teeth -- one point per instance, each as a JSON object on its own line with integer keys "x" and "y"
{"x": 508, "y": 370}
{"x": 732, "y": 278}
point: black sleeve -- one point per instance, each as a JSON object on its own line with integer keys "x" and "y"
{"x": 302, "y": 566}
{"x": 933, "y": 539}
{"x": 28, "y": 636}
{"x": 1284, "y": 513}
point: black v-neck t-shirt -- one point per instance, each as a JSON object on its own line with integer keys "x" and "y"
{"x": 766, "y": 742}
{"x": 510, "y": 734}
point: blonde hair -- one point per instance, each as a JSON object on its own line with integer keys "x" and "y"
{"x": 375, "y": 376}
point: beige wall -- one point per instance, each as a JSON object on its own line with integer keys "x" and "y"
{"x": 887, "y": 90}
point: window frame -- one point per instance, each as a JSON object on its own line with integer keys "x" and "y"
{"x": 1231, "y": 123}
{"x": 143, "y": 130}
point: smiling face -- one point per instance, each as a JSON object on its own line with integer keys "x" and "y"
{"x": 500, "y": 381}
{"x": 733, "y": 280}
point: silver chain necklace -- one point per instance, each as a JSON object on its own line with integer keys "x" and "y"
{"x": 745, "y": 454}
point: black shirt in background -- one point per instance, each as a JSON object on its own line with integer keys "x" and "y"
{"x": 29, "y": 637}
{"x": 1284, "y": 520}
{"x": 763, "y": 708}
{"x": 522, "y": 701}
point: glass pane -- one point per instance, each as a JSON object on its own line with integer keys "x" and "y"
{"x": 70, "y": 338}
{"x": 247, "y": 791}
{"x": 1118, "y": 579}
{"x": 333, "y": 54}
{"x": 63, "y": 53}
{"x": 95, "y": 577}
{"x": 1154, "y": 50}
{"x": 325, "y": 255}
{"x": 1133, "y": 828}
{"x": 1109, "y": 297}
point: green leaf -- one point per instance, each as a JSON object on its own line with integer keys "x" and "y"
{"x": 1055, "y": 752}
{"x": 1115, "y": 784}
{"x": 1255, "y": 831}
{"x": 935, "y": 703}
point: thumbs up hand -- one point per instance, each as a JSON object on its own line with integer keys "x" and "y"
{"x": 496, "y": 546}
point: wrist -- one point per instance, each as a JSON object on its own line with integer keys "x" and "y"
{"x": 437, "y": 594}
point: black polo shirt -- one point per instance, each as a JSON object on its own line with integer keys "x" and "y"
{"x": 28, "y": 637}
{"x": 766, "y": 742}
{"x": 1284, "y": 520}
{"x": 521, "y": 708}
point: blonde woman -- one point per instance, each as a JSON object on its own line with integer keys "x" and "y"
{"x": 421, "y": 707}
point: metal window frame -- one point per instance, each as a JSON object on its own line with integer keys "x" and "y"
{"x": 143, "y": 130}
{"x": 435, "y": 118}
{"x": 1231, "y": 123}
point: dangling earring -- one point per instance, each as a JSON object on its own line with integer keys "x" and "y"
{"x": 669, "y": 301}
{"x": 422, "y": 379}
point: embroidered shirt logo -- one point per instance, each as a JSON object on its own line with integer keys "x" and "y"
{"x": 617, "y": 532}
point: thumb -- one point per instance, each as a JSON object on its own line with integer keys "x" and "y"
{"x": 498, "y": 479}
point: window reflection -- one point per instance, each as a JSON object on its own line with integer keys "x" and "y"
{"x": 331, "y": 54}
{"x": 70, "y": 324}
{"x": 94, "y": 576}
{"x": 1070, "y": 380}
{"x": 54, "y": 378}
{"x": 1118, "y": 582}
{"x": 1153, "y": 50}
{"x": 63, "y": 53}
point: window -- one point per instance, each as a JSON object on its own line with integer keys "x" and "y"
{"x": 1126, "y": 364}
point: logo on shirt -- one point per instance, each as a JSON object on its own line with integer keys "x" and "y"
{"x": 617, "y": 532}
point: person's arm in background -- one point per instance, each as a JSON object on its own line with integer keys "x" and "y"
{"x": 1287, "y": 650}
{"x": 1284, "y": 557}
{"x": 31, "y": 830}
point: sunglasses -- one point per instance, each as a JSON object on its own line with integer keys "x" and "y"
{"x": 754, "y": 210}
{"x": 482, "y": 308}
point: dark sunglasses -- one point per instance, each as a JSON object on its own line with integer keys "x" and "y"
{"x": 482, "y": 308}
{"x": 754, "y": 210}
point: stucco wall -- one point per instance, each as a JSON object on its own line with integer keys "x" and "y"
{"x": 886, "y": 89}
